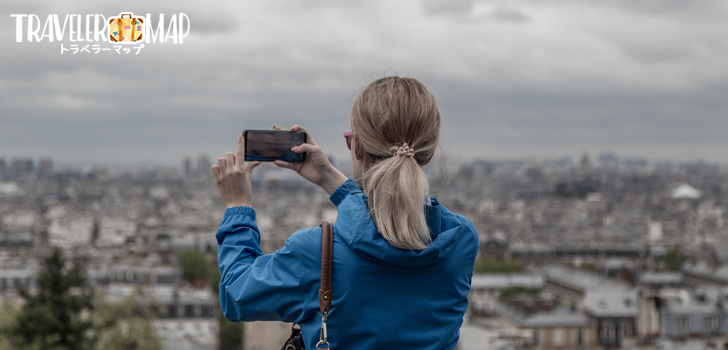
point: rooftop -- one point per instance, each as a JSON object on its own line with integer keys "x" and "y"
{"x": 539, "y": 313}
{"x": 611, "y": 303}
{"x": 582, "y": 280}
{"x": 501, "y": 281}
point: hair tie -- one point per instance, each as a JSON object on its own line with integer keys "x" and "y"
{"x": 404, "y": 151}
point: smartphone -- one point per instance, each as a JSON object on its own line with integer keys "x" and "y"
{"x": 270, "y": 145}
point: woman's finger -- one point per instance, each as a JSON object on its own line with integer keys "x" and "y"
{"x": 240, "y": 152}
{"x": 277, "y": 128}
{"x": 250, "y": 167}
{"x": 221, "y": 164}
{"x": 305, "y": 148}
{"x": 309, "y": 139}
{"x": 215, "y": 172}
{"x": 229, "y": 160}
{"x": 283, "y": 164}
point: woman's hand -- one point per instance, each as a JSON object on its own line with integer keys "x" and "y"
{"x": 316, "y": 168}
{"x": 232, "y": 179}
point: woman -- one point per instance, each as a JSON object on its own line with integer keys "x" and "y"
{"x": 402, "y": 263}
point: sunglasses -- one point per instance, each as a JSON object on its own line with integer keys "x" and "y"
{"x": 347, "y": 136}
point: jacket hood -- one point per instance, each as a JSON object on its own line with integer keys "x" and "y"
{"x": 356, "y": 227}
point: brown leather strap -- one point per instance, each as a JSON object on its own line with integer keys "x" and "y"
{"x": 327, "y": 246}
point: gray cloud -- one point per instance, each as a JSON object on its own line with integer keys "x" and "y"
{"x": 439, "y": 7}
{"x": 514, "y": 78}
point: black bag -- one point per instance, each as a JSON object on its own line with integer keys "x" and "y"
{"x": 295, "y": 341}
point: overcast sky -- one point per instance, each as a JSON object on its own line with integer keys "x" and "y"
{"x": 514, "y": 78}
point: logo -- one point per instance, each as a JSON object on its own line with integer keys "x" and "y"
{"x": 92, "y": 33}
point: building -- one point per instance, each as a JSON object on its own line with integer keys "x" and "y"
{"x": 203, "y": 164}
{"x": 679, "y": 315}
{"x": 187, "y": 165}
{"x": 544, "y": 324}
{"x": 685, "y": 191}
{"x": 22, "y": 165}
{"x": 572, "y": 285}
{"x": 539, "y": 252}
{"x": 648, "y": 315}
{"x": 486, "y": 288}
{"x": 702, "y": 274}
{"x": 18, "y": 269}
{"x": 203, "y": 243}
{"x": 623, "y": 269}
{"x": 134, "y": 274}
{"x": 45, "y": 166}
{"x": 185, "y": 318}
{"x": 12, "y": 279}
{"x": 611, "y": 304}
{"x": 16, "y": 240}
{"x": 615, "y": 313}
{"x": 495, "y": 245}
{"x": 703, "y": 315}
{"x": 659, "y": 280}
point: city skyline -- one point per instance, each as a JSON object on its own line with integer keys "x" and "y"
{"x": 48, "y": 165}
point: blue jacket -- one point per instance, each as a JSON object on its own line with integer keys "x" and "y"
{"x": 383, "y": 297}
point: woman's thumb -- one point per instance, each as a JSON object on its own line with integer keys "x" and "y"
{"x": 249, "y": 168}
{"x": 305, "y": 148}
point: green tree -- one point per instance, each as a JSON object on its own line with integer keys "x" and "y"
{"x": 195, "y": 267}
{"x": 8, "y": 314}
{"x": 673, "y": 259}
{"x": 589, "y": 266}
{"x": 56, "y": 317}
{"x": 230, "y": 333}
{"x": 518, "y": 290}
{"x": 126, "y": 325}
{"x": 492, "y": 265}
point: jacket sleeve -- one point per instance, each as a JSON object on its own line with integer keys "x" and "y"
{"x": 253, "y": 286}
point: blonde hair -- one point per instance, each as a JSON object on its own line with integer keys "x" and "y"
{"x": 389, "y": 112}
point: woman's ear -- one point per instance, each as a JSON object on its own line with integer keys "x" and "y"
{"x": 428, "y": 160}
{"x": 358, "y": 152}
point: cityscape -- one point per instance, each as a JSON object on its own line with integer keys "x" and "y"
{"x": 582, "y": 252}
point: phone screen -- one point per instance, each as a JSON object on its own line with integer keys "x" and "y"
{"x": 270, "y": 145}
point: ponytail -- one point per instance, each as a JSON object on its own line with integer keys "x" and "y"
{"x": 387, "y": 113}
{"x": 396, "y": 188}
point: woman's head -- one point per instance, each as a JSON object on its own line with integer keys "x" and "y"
{"x": 388, "y": 113}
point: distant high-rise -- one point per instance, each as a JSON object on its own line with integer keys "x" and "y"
{"x": 585, "y": 163}
{"x": 45, "y": 166}
{"x": 187, "y": 165}
{"x": 203, "y": 164}
{"x": 22, "y": 165}
{"x": 3, "y": 166}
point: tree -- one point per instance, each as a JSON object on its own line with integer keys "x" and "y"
{"x": 195, "y": 267}
{"x": 589, "y": 266}
{"x": 57, "y": 316}
{"x": 126, "y": 325}
{"x": 674, "y": 259}
{"x": 231, "y": 333}
{"x": 518, "y": 290}
{"x": 8, "y": 314}
{"x": 492, "y": 265}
